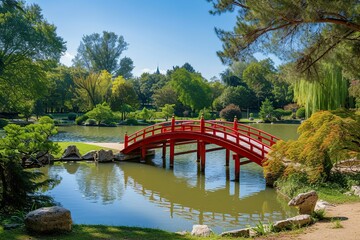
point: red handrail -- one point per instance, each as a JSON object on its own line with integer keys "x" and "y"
{"x": 261, "y": 141}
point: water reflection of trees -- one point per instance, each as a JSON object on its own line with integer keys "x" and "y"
{"x": 100, "y": 182}
{"x": 199, "y": 205}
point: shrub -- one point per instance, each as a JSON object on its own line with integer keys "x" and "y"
{"x": 3, "y": 122}
{"x": 81, "y": 119}
{"x": 101, "y": 113}
{"x": 300, "y": 113}
{"x": 279, "y": 113}
{"x": 230, "y": 112}
{"x": 266, "y": 111}
{"x": 206, "y": 113}
{"x": 72, "y": 116}
{"x": 91, "y": 122}
{"x": 131, "y": 121}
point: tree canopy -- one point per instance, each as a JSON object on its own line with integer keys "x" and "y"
{"x": 102, "y": 52}
{"x": 304, "y": 31}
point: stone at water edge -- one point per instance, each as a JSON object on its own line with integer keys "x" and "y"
{"x": 355, "y": 190}
{"x": 300, "y": 220}
{"x": 48, "y": 220}
{"x": 305, "y": 202}
{"x": 71, "y": 152}
{"x": 201, "y": 231}
{"x": 105, "y": 156}
{"x": 90, "y": 155}
{"x": 322, "y": 205}
{"x": 245, "y": 232}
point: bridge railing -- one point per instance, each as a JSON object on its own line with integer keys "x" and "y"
{"x": 251, "y": 138}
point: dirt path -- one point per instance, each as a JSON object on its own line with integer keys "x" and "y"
{"x": 117, "y": 146}
{"x": 348, "y": 216}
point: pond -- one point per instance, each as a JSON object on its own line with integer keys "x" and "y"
{"x": 148, "y": 195}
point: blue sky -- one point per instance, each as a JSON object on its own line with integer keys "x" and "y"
{"x": 159, "y": 32}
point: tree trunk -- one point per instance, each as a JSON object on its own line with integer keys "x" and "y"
{"x": 4, "y": 187}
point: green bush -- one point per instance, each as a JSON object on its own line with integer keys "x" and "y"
{"x": 3, "y": 122}
{"x": 91, "y": 122}
{"x": 206, "y": 113}
{"x": 300, "y": 113}
{"x": 230, "y": 112}
{"x": 81, "y": 119}
{"x": 72, "y": 116}
{"x": 279, "y": 113}
{"x": 131, "y": 121}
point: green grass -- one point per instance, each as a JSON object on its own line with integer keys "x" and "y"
{"x": 89, "y": 232}
{"x": 83, "y": 147}
{"x": 336, "y": 196}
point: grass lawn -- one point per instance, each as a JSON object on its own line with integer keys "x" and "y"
{"x": 83, "y": 147}
{"x": 88, "y": 232}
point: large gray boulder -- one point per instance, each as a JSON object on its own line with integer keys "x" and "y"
{"x": 201, "y": 231}
{"x": 90, "y": 155}
{"x": 44, "y": 158}
{"x": 305, "y": 202}
{"x": 71, "y": 153}
{"x": 105, "y": 156}
{"x": 299, "y": 221}
{"x": 48, "y": 220}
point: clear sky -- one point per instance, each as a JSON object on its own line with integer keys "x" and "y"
{"x": 162, "y": 33}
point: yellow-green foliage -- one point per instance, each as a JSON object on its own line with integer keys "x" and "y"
{"x": 325, "y": 138}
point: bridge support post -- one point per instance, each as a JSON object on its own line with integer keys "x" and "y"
{"x": 143, "y": 154}
{"x": 198, "y": 155}
{"x": 227, "y": 157}
{"x": 202, "y": 156}
{"x": 164, "y": 154}
{"x": 237, "y": 167}
{"x": 172, "y": 153}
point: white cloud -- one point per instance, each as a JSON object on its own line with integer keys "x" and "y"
{"x": 67, "y": 58}
{"x": 148, "y": 70}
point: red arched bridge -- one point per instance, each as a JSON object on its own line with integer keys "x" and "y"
{"x": 243, "y": 140}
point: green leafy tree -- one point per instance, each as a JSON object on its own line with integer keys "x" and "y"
{"x": 102, "y": 52}
{"x": 101, "y": 113}
{"x": 17, "y": 185}
{"x": 325, "y": 138}
{"x": 93, "y": 88}
{"x": 28, "y": 47}
{"x": 240, "y": 96}
{"x": 126, "y": 67}
{"x": 186, "y": 84}
{"x": 354, "y": 91}
{"x": 123, "y": 96}
{"x": 168, "y": 110}
{"x": 266, "y": 110}
{"x": 297, "y": 30}
{"x": 146, "y": 114}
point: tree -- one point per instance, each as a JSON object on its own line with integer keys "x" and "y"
{"x": 168, "y": 110}
{"x": 123, "y": 96}
{"x": 165, "y": 95}
{"x": 240, "y": 96}
{"x": 325, "y": 138}
{"x": 29, "y": 46}
{"x": 354, "y": 91}
{"x": 186, "y": 84}
{"x": 126, "y": 67}
{"x": 310, "y": 28}
{"x": 266, "y": 111}
{"x": 101, "y": 113}
{"x": 230, "y": 112}
{"x": 17, "y": 185}
{"x": 258, "y": 76}
{"x": 93, "y": 88}
{"x": 102, "y": 52}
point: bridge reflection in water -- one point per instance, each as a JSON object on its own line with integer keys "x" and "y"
{"x": 192, "y": 200}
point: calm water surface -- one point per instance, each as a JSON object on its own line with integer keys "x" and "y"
{"x": 148, "y": 195}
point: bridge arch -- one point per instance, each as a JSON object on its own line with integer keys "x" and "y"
{"x": 242, "y": 140}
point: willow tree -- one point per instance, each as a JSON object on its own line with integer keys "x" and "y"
{"x": 329, "y": 92}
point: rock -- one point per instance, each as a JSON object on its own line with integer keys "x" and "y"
{"x": 322, "y": 205}
{"x": 201, "y": 231}
{"x": 355, "y": 190}
{"x": 299, "y": 221}
{"x": 90, "y": 155}
{"x": 119, "y": 156}
{"x": 11, "y": 226}
{"x": 182, "y": 233}
{"x": 105, "y": 156}
{"x": 305, "y": 202}
{"x": 244, "y": 232}
{"x": 71, "y": 152}
{"x": 48, "y": 219}
{"x": 44, "y": 158}
{"x": 270, "y": 179}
